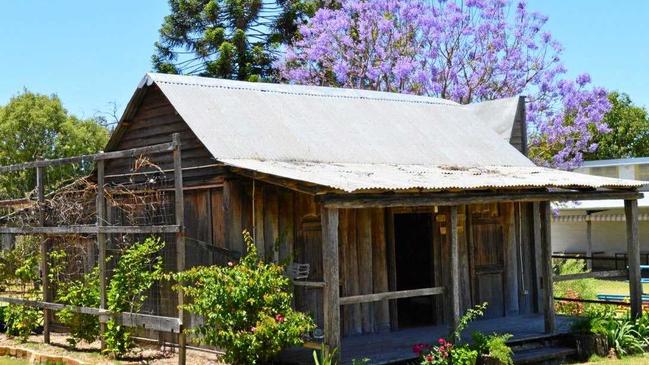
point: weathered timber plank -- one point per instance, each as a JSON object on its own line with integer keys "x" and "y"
{"x": 128, "y": 319}
{"x": 364, "y": 223}
{"x": 378, "y": 297}
{"x": 546, "y": 247}
{"x": 392, "y": 265}
{"x": 232, "y": 213}
{"x": 65, "y": 230}
{"x": 511, "y": 259}
{"x": 352, "y": 269}
{"x": 179, "y": 202}
{"x": 380, "y": 269}
{"x": 455, "y": 268}
{"x": 329, "y": 221}
{"x": 258, "y": 218}
{"x": 447, "y": 199}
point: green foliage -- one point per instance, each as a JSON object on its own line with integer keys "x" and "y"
{"x": 233, "y": 39}
{"x": 583, "y": 288}
{"x": 494, "y": 346}
{"x": 34, "y": 125}
{"x": 246, "y": 308}
{"x": 21, "y": 320}
{"x": 623, "y": 334}
{"x": 456, "y": 352}
{"x": 138, "y": 268}
{"x": 470, "y": 315}
{"x": 464, "y": 355}
{"x": 20, "y": 270}
{"x": 326, "y": 357}
{"x": 81, "y": 293}
{"x": 629, "y": 135}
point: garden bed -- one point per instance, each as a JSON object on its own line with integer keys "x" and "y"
{"x": 90, "y": 353}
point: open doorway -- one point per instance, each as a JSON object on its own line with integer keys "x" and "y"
{"x": 414, "y": 267}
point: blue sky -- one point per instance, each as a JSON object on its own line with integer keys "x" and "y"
{"x": 92, "y": 53}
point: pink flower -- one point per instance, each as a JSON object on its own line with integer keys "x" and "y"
{"x": 280, "y": 318}
{"x": 253, "y": 329}
{"x": 230, "y": 263}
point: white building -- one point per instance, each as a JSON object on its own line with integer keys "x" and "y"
{"x": 598, "y": 227}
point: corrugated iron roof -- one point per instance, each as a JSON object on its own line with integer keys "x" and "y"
{"x": 305, "y": 123}
{"x": 356, "y": 140}
{"x": 358, "y": 177}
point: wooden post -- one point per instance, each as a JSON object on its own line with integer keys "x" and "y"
{"x": 546, "y": 263}
{"x": 392, "y": 266}
{"x": 454, "y": 291}
{"x": 538, "y": 257}
{"x": 101, "y": 245}
{"x": 180, "y": 242}
{"x": 633, "y": 255}
{"x": 40, "y": 191}
{"x": 589, "y": 242}
{"x": 329, "y": 218}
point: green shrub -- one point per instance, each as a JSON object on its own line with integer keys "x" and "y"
{"x": 137, "y": 269}
{"x": 494, "y": 346}
{"x": 464, "y": 355}
{"x": 246, "y": 308}
{"x": 21, "y": 320}
{"x": 582, "y": 288}
{"x": 82, "y": 293}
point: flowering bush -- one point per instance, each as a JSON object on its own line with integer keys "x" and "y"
{"x": 455, "y": 352}
{"x": 246, "y": 308}
{"x": 466, "y": 51}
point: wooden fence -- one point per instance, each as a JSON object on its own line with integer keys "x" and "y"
{"x": 153, "y": 322}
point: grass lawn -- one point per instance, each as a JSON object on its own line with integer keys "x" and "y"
{"x": 612, "y": 286}
{"x": 630, "y": 360}
{"x": 616, "y": 287}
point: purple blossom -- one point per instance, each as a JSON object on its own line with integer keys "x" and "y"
{"x": 467, "y": 51}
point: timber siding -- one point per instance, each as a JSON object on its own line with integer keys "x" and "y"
{"x": 220, "y": 205}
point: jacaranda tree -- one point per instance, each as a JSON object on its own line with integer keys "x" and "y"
{"x": 467, "y": 51}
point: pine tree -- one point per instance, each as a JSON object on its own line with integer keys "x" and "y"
{"x": 233, "y": 39}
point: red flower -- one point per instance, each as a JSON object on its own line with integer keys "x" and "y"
{"x": 418, "y": 348}
{"x": 280, "y": 318}
{"x": 441, "y": 341}
{"x": 429, "y": 358}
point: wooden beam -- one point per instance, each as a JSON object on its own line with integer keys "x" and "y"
{"x": 378, "y": 297}
{"x": 633, "y": 256}
{"x": 593, "y": 274}
{"x": 455, "y": 268}
{"x": 128, "y": 319}
{"x": 392, "y": 265}
{"x": 309, "y": 284}
{"x": 101, "y": 245}
{"x": 73, "y": 230}
{"x": 546, "y": 248}
{"x": 448, "y": 199}
{"x": 330, "y": 265}
{"x": 134, "y": 152}
{"x": 538, "y": 257}
{"x": 180, "y": 242}
{"x": 45, "y": 275}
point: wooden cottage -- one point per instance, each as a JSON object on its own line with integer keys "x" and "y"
{"x": 399, "y": 211}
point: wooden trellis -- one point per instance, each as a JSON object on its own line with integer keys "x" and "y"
{"x": 172, "y": 325}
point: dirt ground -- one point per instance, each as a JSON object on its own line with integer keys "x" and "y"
{"x": 90, "y": 353}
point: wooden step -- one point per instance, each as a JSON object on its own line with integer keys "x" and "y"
{"x": 544, "y": 355}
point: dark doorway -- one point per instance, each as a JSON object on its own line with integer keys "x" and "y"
{"x": 414, "y": 255}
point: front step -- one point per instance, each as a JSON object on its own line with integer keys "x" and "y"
{"x": 545, "y": 355}
{"x": 546, "y": 350}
